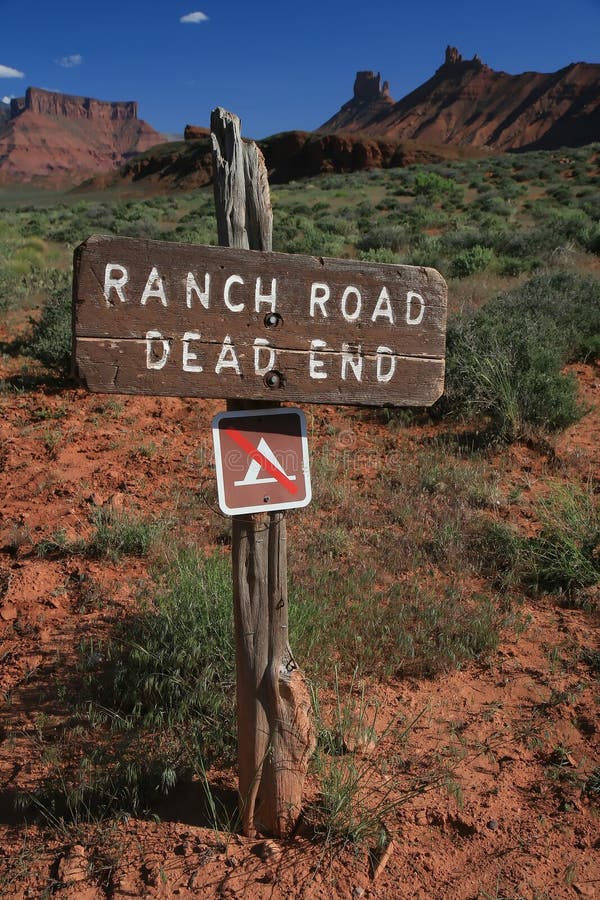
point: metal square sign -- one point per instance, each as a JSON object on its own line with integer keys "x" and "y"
{"x": 261, "y": 460}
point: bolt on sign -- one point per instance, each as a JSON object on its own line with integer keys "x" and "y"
{"x": 262, "y": 460}
{"x": 153, "y": 317}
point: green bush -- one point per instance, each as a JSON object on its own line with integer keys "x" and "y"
{"x": 434, "y": 186}
{"x": 381, "y": 255}
{"x": 13, "y": 287}
{"x": 50, "y": 339}
{"x": 505, "y": 360}
{"x": 475, "y": 259}
{"x": 298, "y": 234}
{"x": 568, "y": 300}
{"x": 383, "y": 237}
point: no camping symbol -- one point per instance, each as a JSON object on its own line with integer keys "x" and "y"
{"x": 261, "y": 460}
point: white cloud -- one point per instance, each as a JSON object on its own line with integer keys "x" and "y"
{"x": 7, "y": 99}
{"x": 194, "y": 18}
{"x": 69, "y": 62}
{"x": 7, "y": 72}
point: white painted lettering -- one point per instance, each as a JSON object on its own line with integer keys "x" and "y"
{"x": 154, "y": 288}
{"x": 319, "y": 295}
{"x": 351, "y": 316}
{"x": 385, "y": 354}
{"x": 352, "y": 357}
{"x": 315, "y": 365}
{"x": 228, "y": 357}
{"x": 191, "y": 288}
{"x": 117, "y": 284}
{"x": 261, "y": 345}
{"x": 259, "y": 297}
{"x": 410, "y": 319}
{"x": 234, "y": 307}
{"x": 383, "y": 307}
{"x": 189, "y": 357}
{"x": 154, "y": 360}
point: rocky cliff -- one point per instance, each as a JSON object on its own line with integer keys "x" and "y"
{"x": 65, "y": 138}
{"x": 50, "y": 103}
{"x": 467, "y": 103}
{"x": 370, "y": 101}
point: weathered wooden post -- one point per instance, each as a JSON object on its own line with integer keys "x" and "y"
{"x": 275, "y": 733}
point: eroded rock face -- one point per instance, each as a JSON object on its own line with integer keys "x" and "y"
{"x": 452, "y": 56}
{"x": 51, "y": 103}
{"x": 468, "y": 103}
{"x": 367, "y": 87}
{"x": 64, "y": 138}
{"x": 188, "y": 165}
{"x": 195, "y": 133}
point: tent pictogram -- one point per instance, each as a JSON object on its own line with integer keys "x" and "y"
{"x": 261, "y": 460}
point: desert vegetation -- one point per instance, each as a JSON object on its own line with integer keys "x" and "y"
{"x": 447, "y": 553}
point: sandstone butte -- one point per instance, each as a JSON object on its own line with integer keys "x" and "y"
{"x": 48, "y": 134}
{"x": 467, "y": 103}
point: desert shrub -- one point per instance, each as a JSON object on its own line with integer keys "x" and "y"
{"x": 592, "y": 239}
{"x": 336, "y": 224}
{"x": 425, "y": 252}
{"x": 381, "y": 254}
{"x": 464, "y": 237}
{"x": 567, "y": 299}
{"x": 49, "y": 339}
{"x": 203, "y": 230}
{"x": 70, "y": 232}
{"x": 492, "y": 203}
{"x": 298, "y": 234}
{"x": 514, "y": 265}
{"x": 505, "y": 360}
{"x": 435, "y": 187}
{"x": 139, "y": 228}
{"x": 13, "y": 287}
{"x": 383, "y": 237}
{"x": 475, "y": 259}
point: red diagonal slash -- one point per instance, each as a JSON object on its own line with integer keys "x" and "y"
{"x": 265, "y": 463}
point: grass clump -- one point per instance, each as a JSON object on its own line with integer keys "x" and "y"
{"x": 119, "y": 533}
{"x": 565, "y": 555}
{"x": 158, "y": 702}
{"x": 174, "y": 664}
{"x": 116, "y": 533}
{"x": 401, "y": 631}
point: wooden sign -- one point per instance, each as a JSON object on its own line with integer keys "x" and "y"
{"x": 262, "y": 460}
{"x": 160, "y": 318}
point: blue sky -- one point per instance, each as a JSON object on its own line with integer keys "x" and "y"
{"x": 278, "y": 66}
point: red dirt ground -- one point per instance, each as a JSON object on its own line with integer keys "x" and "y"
{"x": 504, "y": 828}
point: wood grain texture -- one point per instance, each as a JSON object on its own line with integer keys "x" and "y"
{"x": 416, "y": 305}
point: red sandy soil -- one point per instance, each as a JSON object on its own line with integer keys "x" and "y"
{"x": 506, "y": 829}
